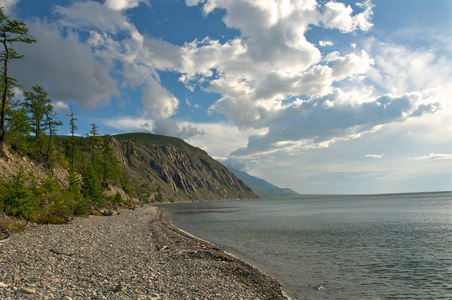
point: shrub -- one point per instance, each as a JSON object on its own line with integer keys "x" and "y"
{"x": 117, "y": 198}
{"x": 18, "y": 198}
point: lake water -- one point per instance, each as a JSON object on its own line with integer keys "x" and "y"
{"x": 396, "y": 246}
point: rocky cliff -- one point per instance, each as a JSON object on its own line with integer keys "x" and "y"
{"x": 168, "y": 168}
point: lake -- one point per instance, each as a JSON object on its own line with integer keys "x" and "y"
{"x": 395, "y": 246}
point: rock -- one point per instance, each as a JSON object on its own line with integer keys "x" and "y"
{"x": 4, "y": 233}
{"x": 28, "y": 290}
{"x": 45, "y": 283}
{"x": 3, "y": 285}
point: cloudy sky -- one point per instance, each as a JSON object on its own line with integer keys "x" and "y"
{"x": 319, "y": 96}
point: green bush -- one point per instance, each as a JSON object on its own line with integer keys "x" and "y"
{"x": 117, "y": 198}
{"x": 92, "y": 188}
{"x": 18, "y": 197}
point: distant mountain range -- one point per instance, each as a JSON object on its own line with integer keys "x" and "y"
{"x": 263, "y": 188}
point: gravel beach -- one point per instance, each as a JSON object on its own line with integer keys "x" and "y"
{"x": 137, "y": 254}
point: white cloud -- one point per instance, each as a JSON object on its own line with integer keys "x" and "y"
{"x": 398, "y": 70}
{"x": 338, "y": 16}
{"x": 83, "y": 70}
{"x": 271, "y": 61}
{"x": 127, "y": 123}
{"x": 124, "y": 4}
{"x": 8, "y": 5}
{"x": 61, "y": 106}
{"x": 64, "y": 66}
{"x": 435, "y": 156}
{"x": 326, "y": 43}
{"x": 310, "y": 124}
{"x": 377, "y": 156}
{"x": 90, "y": 14}
{"x": 157, "y": 100}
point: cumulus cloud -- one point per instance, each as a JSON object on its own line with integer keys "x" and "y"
{"x": 309, "y": 124}
{"x": 338, "y": 16}
{"x": 157, "y": 100}
{"x": 61, "y": 106}
{"x": 325, "y": 43}
{"x": 77, "y": 55}
{"x": 65, "y": 66}
{"x": 93, "y": 15}
{"x": 173, "y": 128}
{"x": 237, "y": 164}
{"x": 124, "y": 4}
{"x": 271, "y": 61}
{"x": 8, "y": 5}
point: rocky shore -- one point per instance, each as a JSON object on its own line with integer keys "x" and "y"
{"x": 134, "y": 255}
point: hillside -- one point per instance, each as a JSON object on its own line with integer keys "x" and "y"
{"x": 176, "y": 170}
{"x": 263, "y": 188}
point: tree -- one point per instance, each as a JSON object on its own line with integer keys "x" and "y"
{"x": 72, "y": 142}
{"x": 11, "y": 31}
{"x": 51, "y": 125}
{"x": 109, "y": 164}
{"x": 19, "y": 127}
{"x": 92, "y": 188}
{"x": 38, "y": 106}
{"x": 94, "y": 144}
{"x": 18, "y": 200}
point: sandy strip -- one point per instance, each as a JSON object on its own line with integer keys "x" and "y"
{"x": 137, "y": 254}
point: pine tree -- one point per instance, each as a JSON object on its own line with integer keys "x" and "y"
{"x": 94, "y": 145}
{"x": 92, "y": 188}
{"x": 51, "y": 125}
{"x": 11, "y": 32}
{"x": 109, "y": 163}
{"x": 38, "y": 106}
{"x": 72, "y": 142}
{"x": 18, "y": 200}
{"x": 19, "y": 127}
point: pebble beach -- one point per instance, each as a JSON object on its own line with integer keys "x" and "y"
{"x": 137, "y": 254}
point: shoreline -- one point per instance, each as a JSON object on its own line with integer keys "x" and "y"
{"x": 166, "y": 220}
{"x": 137, "y": 254}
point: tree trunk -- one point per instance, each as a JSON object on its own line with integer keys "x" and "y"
{"x": 4, "y": 102}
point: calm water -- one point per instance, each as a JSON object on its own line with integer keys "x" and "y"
{"x": 337, "y": 247}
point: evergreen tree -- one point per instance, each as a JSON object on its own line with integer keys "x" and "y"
{"x": 94, "y": 145}
{"x": 109, "y": 164}
{"x": 92, "y": 188}
{"x": 72, "y": 143}
{"x": 38, "y": 106}
{"x": 19, "y": 127}
{"x": 18, "y": 199}
{"x": 11, "y": 32}
{"x": 51, "y": 125}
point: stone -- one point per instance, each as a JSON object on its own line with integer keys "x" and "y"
{"x": 4, "y": 233}
{"x": 3, "y": 285}
{"x": 28, "y": 290}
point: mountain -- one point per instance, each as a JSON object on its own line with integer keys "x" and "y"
{"x": 263, "y": 188}
{"x": 170, "y": 169}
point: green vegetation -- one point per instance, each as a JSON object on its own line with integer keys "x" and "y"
{"x": 11, "y": 32}
{"x": 29, "y": 127}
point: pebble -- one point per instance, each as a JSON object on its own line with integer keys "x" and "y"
{"x": 28, "y": 290}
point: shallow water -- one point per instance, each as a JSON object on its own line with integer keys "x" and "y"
{"x": 396, "y": 246}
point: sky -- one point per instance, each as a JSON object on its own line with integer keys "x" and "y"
{"x": 315, "y": 95}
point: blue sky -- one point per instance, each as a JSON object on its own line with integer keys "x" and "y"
{"x": 319, "y": 96}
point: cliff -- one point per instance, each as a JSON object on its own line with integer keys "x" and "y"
{"x": 168, "y": 168}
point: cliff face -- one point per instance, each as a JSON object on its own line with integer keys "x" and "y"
{"x": 176, "y": 170}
